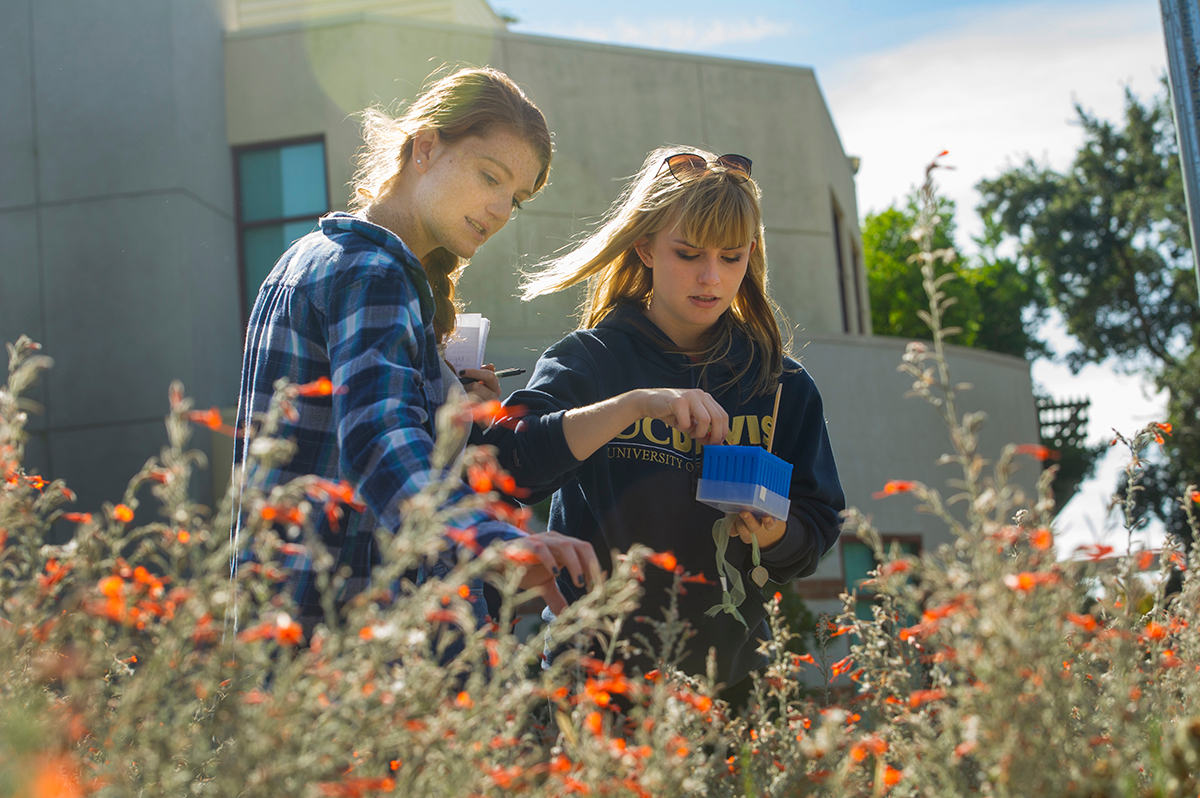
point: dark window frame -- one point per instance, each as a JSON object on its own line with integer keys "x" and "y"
{"x": 855, "y": 269}
{"x": 840, "y": 259}
{"x": 902, "y": 538}
{"x": 242, "y": 227}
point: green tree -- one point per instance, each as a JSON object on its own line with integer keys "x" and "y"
{"x": 996, "y": 304}
{"x": 1108, "y": 240}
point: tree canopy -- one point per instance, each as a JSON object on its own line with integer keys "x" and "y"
{"x": 1109, "y": 244}
{"x": 1108, "y": 238}
{"x": 996, "y": 306}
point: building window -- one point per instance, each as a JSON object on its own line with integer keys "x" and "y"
{"x": 858, "y": 561}
{"x": 855, "y": 269}
{"x": 282, "y": 190}
{"x": 839, "y": 260}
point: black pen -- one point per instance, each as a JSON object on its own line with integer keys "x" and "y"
{"x": 501, "y": 373}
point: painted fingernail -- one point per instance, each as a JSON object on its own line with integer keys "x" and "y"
{"x": 556, "y": 570}
{"x": 579, "y": 580}
{"x": 462, "y": 372}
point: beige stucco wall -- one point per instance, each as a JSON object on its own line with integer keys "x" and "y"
{"x": 608, "y": 106}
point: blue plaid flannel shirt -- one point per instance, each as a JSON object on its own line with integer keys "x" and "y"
{"x": 350, "y": 302}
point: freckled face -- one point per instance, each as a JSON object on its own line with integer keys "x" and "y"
{"x": 469, "y": 189}
{"x": 693, "y": 285}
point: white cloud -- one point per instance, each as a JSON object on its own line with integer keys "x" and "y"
{"x": 993, "y": 92}
{"x": 675, "y": 33}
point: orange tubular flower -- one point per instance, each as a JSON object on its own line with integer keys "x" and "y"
{"x": 1087, "y": 623}
{"x": 335, "y": 492}
{"x": 1038, "y": 451}
{"x": 698, "y": 579}
{"x": 893, "y": 487}
{"x": 798, "y": 658}
{"x": 356, "y": 787}
{"x": 464, "y": 538}
{"x": 54, "y": 777}
{"x": 1096, "y": 552}
{"x": 122, "y": 513}
{"x": 54, "y": 573}
{"x": 521, "y": 556}
{"x": 1028, "y": 580}
{"x": 287, "y": 631}
{"x": 284, "y": 515}
{"x": 868, "y": 745}
{"x": 322, "y": 386}
{"x": 211, "y": 418}
{"x": 1155, "y": 631}
{"x": 1041, "y": 539}
{"x": 894, "y": 567}
{"x": 488, "y": 413}
{"x": 78, "y": 518}
{"x": 843, "y": 665}
{"x": 919, "y": 697}
{"x": 664, "y": 560}
{"x": 891, "y": 776}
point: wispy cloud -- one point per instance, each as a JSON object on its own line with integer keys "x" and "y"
{"x": 992, "y": 91}
{"x": 676, "y": 33}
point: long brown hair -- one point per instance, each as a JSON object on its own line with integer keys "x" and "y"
{"x": 468, "y": 102}
{"x": 714, "y": 208}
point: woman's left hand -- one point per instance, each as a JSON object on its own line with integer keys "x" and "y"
{"x": 768, "y": 531}
{"x": 485, "y": 385}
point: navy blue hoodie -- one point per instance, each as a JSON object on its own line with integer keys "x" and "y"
{"x": 640, "y": 487}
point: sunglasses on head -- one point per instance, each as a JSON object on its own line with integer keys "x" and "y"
{"x": 685, "y": 165}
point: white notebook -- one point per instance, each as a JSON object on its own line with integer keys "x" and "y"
{"x": 465, "y": 348}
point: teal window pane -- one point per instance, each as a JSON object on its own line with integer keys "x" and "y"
{"x": 303, "y": 168}
{"x": 261, "y": 185}
{"x": 858, "y": 561}
{"x": 282, "y": 182}
{"x": 262, "y": 246}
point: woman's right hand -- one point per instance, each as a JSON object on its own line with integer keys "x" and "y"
{"x": 693, "y": 412}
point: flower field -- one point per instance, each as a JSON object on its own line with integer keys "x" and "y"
{"x": 132, "y": 663}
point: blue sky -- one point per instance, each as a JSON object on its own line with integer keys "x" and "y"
{"x": 816, "y": 34}
{"x": 992, "y": 81}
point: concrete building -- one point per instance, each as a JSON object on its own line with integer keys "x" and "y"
{"x": 159, "y": 154}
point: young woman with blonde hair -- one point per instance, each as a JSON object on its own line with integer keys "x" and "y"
{"x": 367, "y": 300}
{"x": 678, "y": 348}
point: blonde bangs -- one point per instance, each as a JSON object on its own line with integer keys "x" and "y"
{"x": 719, "y": 213}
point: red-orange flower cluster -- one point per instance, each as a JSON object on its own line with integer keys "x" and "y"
{"x": 1028, "y": 580}
{"x": 284, "y": 515}
{"x": 893, "y": 487}
{"x": 211, "y": 418}
{"x": 356, "y": 787}
{"x": 284, "y": 631}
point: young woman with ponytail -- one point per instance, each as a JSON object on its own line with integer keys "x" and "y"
{"x": 367, "y": 300}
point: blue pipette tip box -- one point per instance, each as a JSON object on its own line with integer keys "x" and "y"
{"x": 737, "y": 478}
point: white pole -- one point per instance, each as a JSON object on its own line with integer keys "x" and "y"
{"x": 1181, "y": 27}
